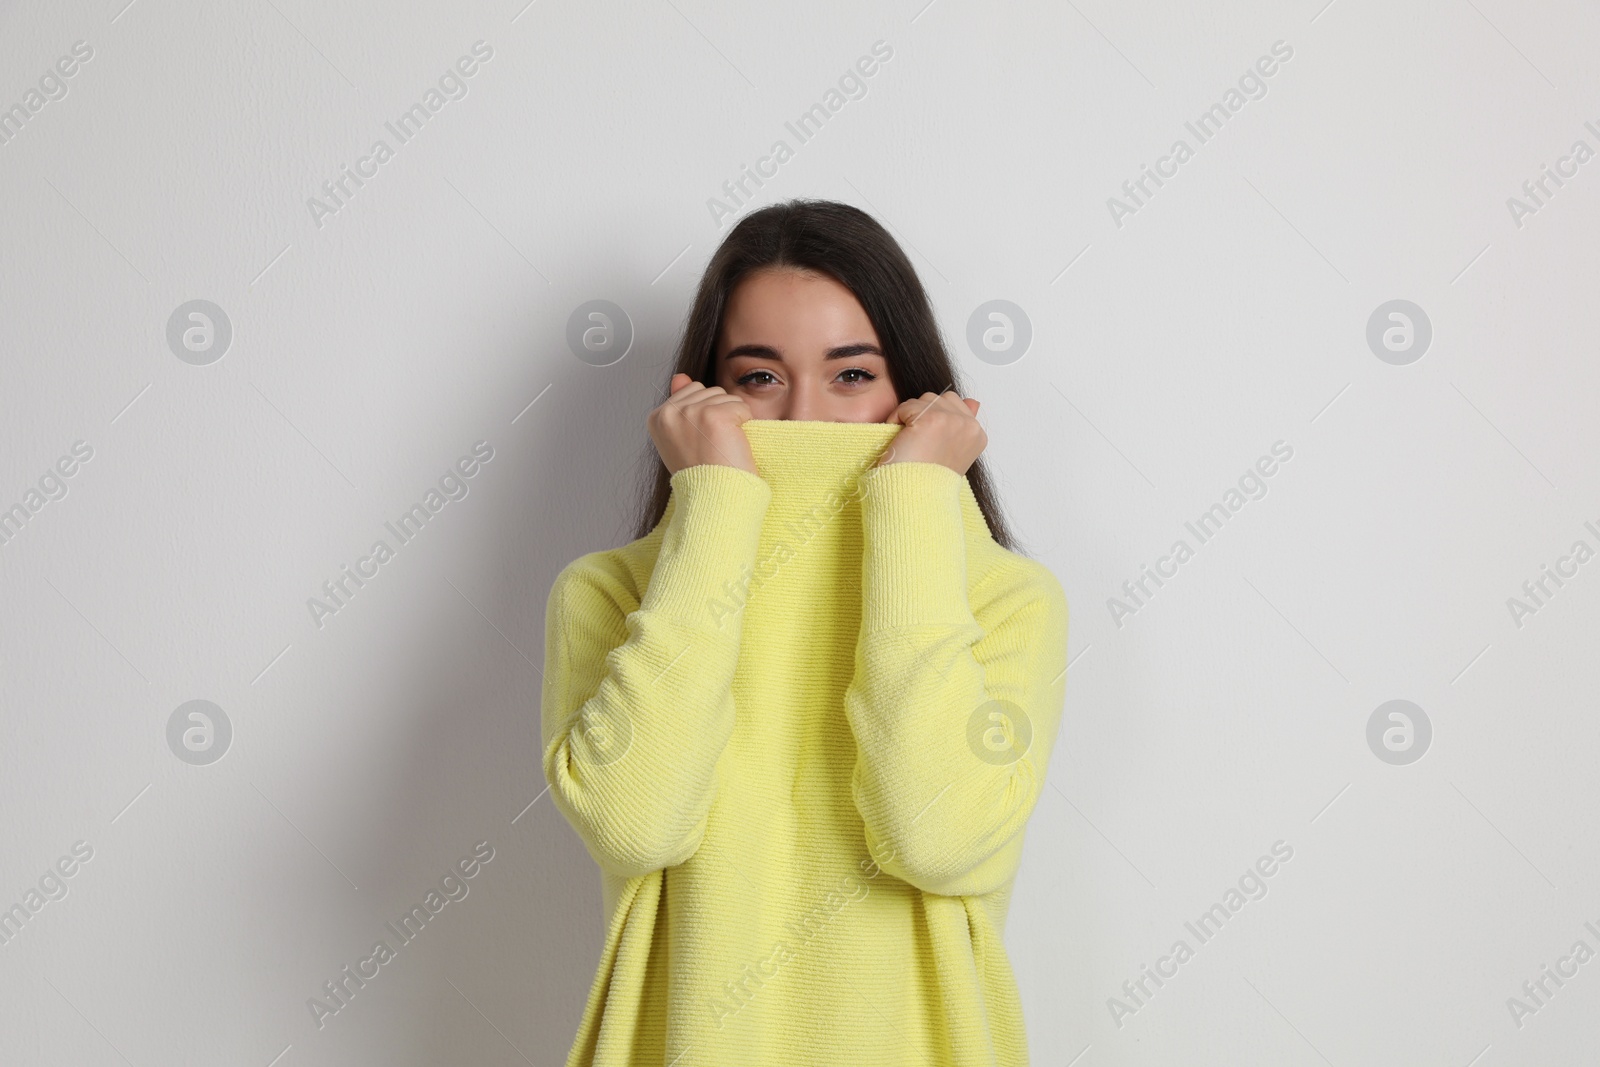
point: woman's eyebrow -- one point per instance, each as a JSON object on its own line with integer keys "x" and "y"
{"x": 850, "y": 351}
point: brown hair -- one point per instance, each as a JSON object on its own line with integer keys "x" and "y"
{"x": 850, "y": 246}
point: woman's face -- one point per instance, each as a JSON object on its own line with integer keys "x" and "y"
{"x": 797, "y": 345}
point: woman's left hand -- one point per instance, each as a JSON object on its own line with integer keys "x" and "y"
{"x": 937, "y": 428}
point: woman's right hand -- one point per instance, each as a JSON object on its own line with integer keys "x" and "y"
{"x": 700, "y": 424}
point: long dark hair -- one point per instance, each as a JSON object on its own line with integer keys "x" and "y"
{"x": 848, "y": 245}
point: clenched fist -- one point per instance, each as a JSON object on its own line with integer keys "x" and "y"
{"x": 937, "y": 428}
{"x": 700, "y": 424}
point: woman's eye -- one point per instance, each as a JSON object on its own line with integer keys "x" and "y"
{"x": 761, "y": 377}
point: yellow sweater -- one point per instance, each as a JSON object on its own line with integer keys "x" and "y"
{"x": 800, "y": 726}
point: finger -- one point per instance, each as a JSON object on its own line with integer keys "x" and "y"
{"x": 916, "y": 407}
{"x": 898, "y": 416}
{"x": 958, "y": 405}
{"x": 686, "y": 394}
{"x": 683, "y": 395}
{"x": 723, "y": 400}
{"x": 714, "y": 394}
{"x": 694, "y": 424}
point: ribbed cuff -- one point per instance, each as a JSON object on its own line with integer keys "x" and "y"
{"x": 914, "y": 563}
{"x": 710, "y": 541}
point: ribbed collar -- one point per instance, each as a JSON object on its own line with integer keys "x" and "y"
{"x": 813, "y": 463}
{"x": 804, "y": 460}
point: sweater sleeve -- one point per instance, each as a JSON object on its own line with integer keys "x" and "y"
{"x": 954, "y": 716}
{"x": 637, "y": 704}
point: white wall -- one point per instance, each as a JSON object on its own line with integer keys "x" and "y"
{"x": 373, "y": 346}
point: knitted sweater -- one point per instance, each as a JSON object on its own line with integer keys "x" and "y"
{"x": 800, "y": 726}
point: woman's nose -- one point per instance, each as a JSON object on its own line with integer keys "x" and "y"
{"x": 801, "y": 403}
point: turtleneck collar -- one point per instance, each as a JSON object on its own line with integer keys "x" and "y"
{"x": 802, "y": 458}
{"x": 814, "y": 463}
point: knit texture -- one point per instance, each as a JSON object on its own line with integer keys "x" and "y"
{"x": 800, "y": 726}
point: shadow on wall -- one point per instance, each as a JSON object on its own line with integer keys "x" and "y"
{"x": 524, "y": 943}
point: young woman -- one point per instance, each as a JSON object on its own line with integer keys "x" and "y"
{"x": 801, "y": 720}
